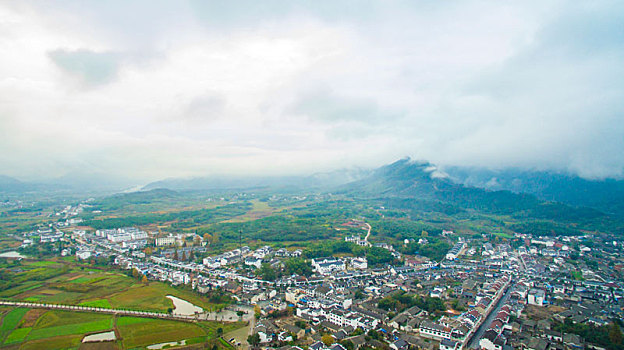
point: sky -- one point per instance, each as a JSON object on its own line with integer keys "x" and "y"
{"x": 156, "y": 89}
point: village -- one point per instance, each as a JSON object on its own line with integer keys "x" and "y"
{"x": 479, "y": 296}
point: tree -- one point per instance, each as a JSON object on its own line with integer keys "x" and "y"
{"x": 219, "y": 332}
{"x": 378, "y": 256}
{"x": 358, "y": 294}
{"x": 144, "y": 279}
{"x": 327, "y": 339}
{"x": 135, "y": 273}
{"x": 347, "y": 344}
{"x": 615, "y": 334}
{"x": 207, "y": 237}
{"x": 267, "y": 272}
{"x": 254, "y": 339}
{"x": 240, "y": 314}
{"x": 298, "y": 266}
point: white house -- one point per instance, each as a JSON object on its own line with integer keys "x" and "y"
{"x": 251, "y": 261}
{"x": 536, "y": 297}
{"x": 83, "y": 254}
{"x": 359, "y": 263}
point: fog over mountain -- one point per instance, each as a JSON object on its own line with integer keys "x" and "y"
{"x": 149, "y": 90}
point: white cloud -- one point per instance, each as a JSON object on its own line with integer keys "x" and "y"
{"x": 154, "y": 90}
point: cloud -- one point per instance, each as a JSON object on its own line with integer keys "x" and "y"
{"x": 195, "y": 88}
{"x": 91, "y": 68}
{"x": 206, "y": 107}
{"x": 325, "y": 106}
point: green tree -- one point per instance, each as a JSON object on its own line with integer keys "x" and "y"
{"x": 327, "y": 339}
{"x": 615, "y": 334}
{"x": 298, "y": 266}
{"x": 267, "y": 272}
{"x": 253, "y": 339}
{"x": 347, "y": 344}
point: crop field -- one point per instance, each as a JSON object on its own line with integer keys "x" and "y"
{"x": 157, "y": 331}
{"x": 55, "y": 329}
{"x": 63, "y": 281}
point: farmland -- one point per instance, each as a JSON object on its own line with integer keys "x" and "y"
{"x": 64, "y": 281}
{"x": 61, "y": 329}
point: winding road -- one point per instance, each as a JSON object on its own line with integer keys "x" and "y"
{"x": 369, "y": 232}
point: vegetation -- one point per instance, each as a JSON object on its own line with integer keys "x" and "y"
{"x": 608, "y": 336}
{"x": 400, "y": 301}
{"x": 298, "y": 266}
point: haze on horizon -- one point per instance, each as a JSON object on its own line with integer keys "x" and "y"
{"x": 156, "y": 89}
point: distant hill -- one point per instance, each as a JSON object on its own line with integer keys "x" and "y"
{"x": 8, "y": 183}
{"x": 422, "y": 181}
{"x": 604, "y": 195}
{"x": 313, "y": 182}
{"x": 74, "y": 183}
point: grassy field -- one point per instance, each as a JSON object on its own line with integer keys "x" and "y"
{"x": 103, "y": 303}
{"x": 17, "y": 335}
{"x": 63, "y": 281}
{"x": 157, "y": 331}
{"x": 66, "y": 283}
{"x": 10, "y": 321}
{"x": 54, "y": 329}
{"x": 259, "y": 210}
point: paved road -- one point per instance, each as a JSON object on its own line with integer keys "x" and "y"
{"x": 77, "y": 308}
{"x": 474, "y": 341}
{"x": 369, "y": 231}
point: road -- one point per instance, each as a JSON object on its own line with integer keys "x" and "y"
{"x": 369, "y": 231}
{"x": 474, "y": 341}
{"x": 134, "y": 313}
{"x": 240, "y": 335}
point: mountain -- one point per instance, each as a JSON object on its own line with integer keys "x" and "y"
{"x": 91, "y": 182}
{"x": 9, "y": 184}
{"x": 316, "y": 181}
{"x": 605, "y": 195}
{"x": 421, "y": 184}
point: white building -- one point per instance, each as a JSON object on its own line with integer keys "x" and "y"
{"x": 161, "y": 241}
{"x": 119, "y": 237}
{"x": 251, "y": 261}
{"x": 435, "y": 331}
{"x": 359, "y": 263}
{"x": 83, "y": 254}
{"x": 536, "y": 297}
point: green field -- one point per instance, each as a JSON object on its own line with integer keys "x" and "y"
{"x": 69, "y": 329}
{"x": 503, "y": 235}
{"x": 17, "y": 335}
{"x": 103, "y": 303}
{"x": 12, "y": 319}
{"x": 56, "y": 329}
{"x": 157, "y": 331}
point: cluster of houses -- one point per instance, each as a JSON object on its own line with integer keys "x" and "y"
{"x": 494, "y": 283}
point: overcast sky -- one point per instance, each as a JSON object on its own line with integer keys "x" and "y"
{"x": 153, "y": 89}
